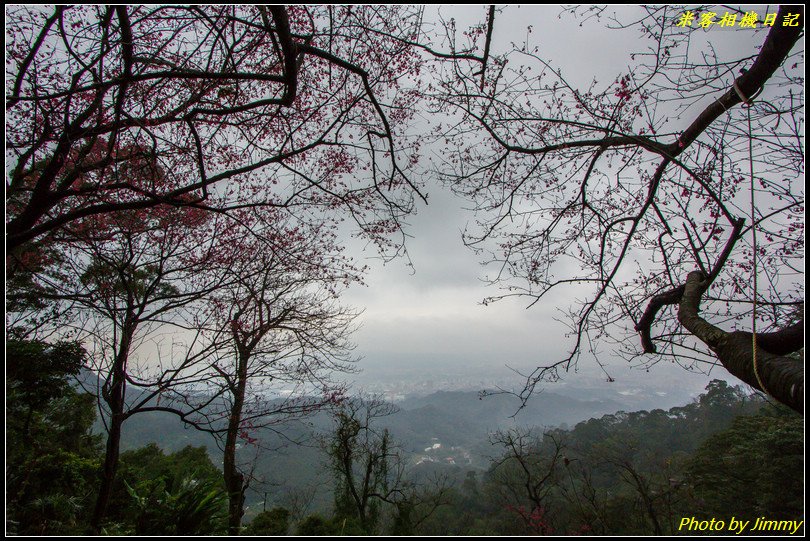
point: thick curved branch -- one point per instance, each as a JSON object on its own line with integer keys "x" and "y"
{"x": 644, "y": 325}
{"x": 777, "y": 46}
{"x": 673, "y": 296}
{"x": 779, "y": 376}
{"x": 788, "y": 340}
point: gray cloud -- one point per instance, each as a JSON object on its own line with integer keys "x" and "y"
{"x": 431, "y": 319}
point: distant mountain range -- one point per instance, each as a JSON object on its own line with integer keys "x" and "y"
{"x": 459, "y": 420}
{"x": 464, "y": 418}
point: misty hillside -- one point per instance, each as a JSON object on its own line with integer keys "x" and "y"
{"x": 455, "y": 417}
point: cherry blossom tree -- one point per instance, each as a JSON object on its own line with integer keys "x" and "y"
{"x": 276, "y": 326}
{"x": 147, "y": 143}
{"x": 246, "y": 302}
{"x": 132, "y": 278}
{"x": 674, "y": 188}
{"x": 304, "y": 104}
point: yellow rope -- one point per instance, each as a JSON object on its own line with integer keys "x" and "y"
{"x": 747, "y": 105}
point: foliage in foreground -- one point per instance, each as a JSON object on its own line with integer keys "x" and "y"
{"x": 726, "y": 454}
{"x": 53, "y": 459}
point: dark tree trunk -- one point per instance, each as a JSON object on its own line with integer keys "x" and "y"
{"x": 108, "y": 471}
{"x": 777, "y": 375}
{"x": 115, "y": 397}
{"x": 234, "y": 480}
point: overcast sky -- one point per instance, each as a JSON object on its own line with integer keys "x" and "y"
{"x": 432, "y": 318}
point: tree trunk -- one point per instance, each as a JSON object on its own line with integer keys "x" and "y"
{"x": 115, "y": 398}
{"x": 108, "y": 471}
{"x": 776, "y": 375}
{"x": 234, "y": 480}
